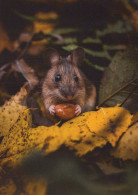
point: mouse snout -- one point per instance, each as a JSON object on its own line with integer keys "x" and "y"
{"x": 68, "y": 93}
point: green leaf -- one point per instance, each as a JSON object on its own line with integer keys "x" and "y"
{"x": 94, "y": 65}
{"x": 103, "y": 54}
{"x": 64, "y": 30}
{"x": 91, "y": 40}
{"x": 70, "y": 47}
{"x": 122, "y": 26}
{"x": 67, "y": 40}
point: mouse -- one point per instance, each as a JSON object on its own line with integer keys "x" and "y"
{"x": 64, "y": 82}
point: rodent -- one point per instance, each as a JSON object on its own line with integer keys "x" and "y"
{"x": 66, "y": 83}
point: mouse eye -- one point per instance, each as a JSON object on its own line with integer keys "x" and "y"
{"x": 58, "y": 78}
{"x": 76, "y": 78}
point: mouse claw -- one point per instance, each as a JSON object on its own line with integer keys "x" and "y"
{"x": 52, "y": 109}
{"x": 77, "y": 110}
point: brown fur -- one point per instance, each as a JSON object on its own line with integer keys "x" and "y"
{"x": 83, "y": 90}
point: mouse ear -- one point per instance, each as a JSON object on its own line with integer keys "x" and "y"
{"x": 52, "y": 56}
{"x": 77, "y": 56}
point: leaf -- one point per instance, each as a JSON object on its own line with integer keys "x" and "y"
{"x": 45, "y": 27}
{"x": 127, "y": 148}
{"x": 98, "y": 53}
{"x": 122, "y": 69}
{"x": 62, "y": 31}
{"x": 82, "y": 134}
{"x": 10, "y": 111}
{"x": 5, "y": 42}
{"x": 91, "y": 40}
{"x": 67, "y": 40}
{"x": 70, "y": 47}
{"x": 121, "y": 26}
{"x": 94, "y": 65}
{"x": 26, "y": 71}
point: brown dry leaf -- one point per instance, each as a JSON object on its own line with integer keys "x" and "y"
{"x": 26, "y": 71}
{"x": 5, "y": 42}
{"x": 83, "y": 134}
{"x": 128, "y": 145}
{"x": 10, "y": 111}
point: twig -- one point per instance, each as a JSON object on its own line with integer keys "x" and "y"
{"x": 116, "y": 92}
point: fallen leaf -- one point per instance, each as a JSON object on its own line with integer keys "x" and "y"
{"x": 10, "y": 111}
{"x": 82, "y": 134}
{"x": 26, "y": 71}
{"x": 127, "y": 148}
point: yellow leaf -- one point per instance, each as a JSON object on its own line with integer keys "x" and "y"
{"x": 45, "y": 27}
{"x": 128, "y": 145}
{"x": 10, "y": 111}
{"x": 83, "y": 134}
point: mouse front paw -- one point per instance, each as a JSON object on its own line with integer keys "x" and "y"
{"x": 52, "y": 109}
{"x": 77, "y": 110}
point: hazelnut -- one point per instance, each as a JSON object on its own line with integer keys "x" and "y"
{"x": 65, "y": 111}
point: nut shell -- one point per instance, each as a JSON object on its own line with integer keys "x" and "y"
{"x": 65, "y": 111}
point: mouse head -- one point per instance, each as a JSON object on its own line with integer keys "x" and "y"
{"x": 64, "y": 76}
